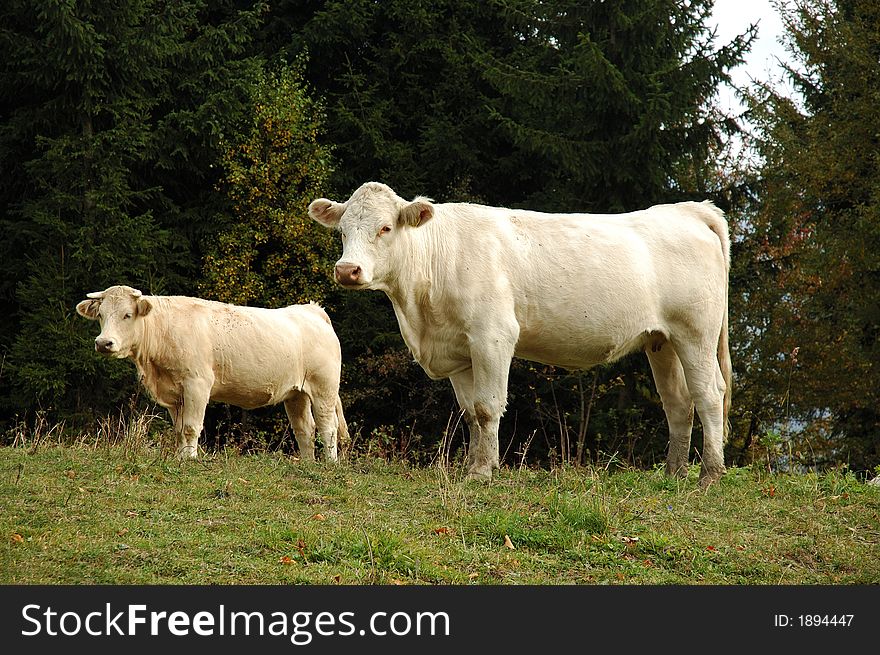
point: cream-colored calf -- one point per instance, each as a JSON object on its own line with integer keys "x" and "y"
{"x": 190, "y": 351}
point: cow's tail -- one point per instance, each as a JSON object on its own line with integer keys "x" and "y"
{"x": 342, "y": 436}
{"x": 714, "y": 218}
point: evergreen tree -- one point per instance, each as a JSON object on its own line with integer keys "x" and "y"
{"x": 109, "y": 120}
{"x": 612, "y": 100}
{"x": 405, "y": 97}
{"x": 815, "y": 238}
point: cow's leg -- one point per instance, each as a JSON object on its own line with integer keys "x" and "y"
{"x": 324, "y": 410}
{"x": 677, "y": 404}
{"x": 463, "y": 386}
{"x": 299, "y": 412}
{"x": 482, "y": 394}
{"x": 191, "y": 417}
{"x": 706, "y": 386}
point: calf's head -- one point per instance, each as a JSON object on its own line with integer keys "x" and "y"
{"x": 120, "y": 311}
{"x": 373, "y": 224}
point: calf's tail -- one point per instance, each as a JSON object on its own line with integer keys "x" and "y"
{"x": 342, "y": 436}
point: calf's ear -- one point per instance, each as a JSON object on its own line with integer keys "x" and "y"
{"x": 417, "y": 213}
{"x": 88, "y": 309}
{"x": 326, "y": 212}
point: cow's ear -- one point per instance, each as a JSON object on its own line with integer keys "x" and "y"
{"x": 326, "y": 212}
{"x": 417, "y": 213}
{"x": 89, "y": 309}
{"x": 144, "y": 306}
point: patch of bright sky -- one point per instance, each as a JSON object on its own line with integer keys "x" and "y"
{"x": 762, "y": 62}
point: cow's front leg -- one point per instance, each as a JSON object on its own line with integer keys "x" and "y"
{"x": 482, "y": 394}
{"x": 190, "y": 417}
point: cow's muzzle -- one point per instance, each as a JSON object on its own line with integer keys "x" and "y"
{"x": 349, "y": 275}
{"x": 106, "y": 346}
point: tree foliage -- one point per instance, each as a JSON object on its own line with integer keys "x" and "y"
{"x": 108, "y": 121}
{"x": 610, "y": 101}
{"x": 815, "y": 237}
{"x": 269, "y": 253}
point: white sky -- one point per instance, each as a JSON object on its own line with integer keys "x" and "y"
{"x": 733, "y": 17}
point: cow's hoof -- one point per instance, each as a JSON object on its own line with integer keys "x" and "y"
{"x": 711, "y": 476}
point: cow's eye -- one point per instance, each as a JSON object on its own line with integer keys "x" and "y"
{"x": 126, "y": 317}
{"x": 385, "y": 230}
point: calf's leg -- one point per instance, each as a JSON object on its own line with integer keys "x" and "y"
{"x": 189, "y": 417}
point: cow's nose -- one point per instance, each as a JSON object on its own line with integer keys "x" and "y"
{"x": 103, "y": 345}
{"x": 348, "y": 274}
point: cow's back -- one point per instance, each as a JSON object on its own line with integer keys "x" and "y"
{"x": 255, "y": 355}
{"x": 584, "y": 288}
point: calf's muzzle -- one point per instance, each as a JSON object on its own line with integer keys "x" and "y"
{"x": 104, "y": 345}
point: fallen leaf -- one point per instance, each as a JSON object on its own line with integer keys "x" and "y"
{"x": 70, "y": 474}
{"x": 17, "y": 538}
{"x": 337, "y": 578}
{"x": 443, "y": 530}
{"x": 122, "y": 532}
{"x": 630, "y": 540}
{"x": 286, "y": 560}
{"x": 301, "y": 547}
{"x": 319, "y": 517}
{"x": 712, "y": 548}
{"x": 471, "y": 576}
{"x": 131, "y": 514}
{"x": 508, "y": 543}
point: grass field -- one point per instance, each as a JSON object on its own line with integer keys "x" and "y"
{"x": 130, "y": 514}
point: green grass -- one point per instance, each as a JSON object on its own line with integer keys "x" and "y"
{"x": 126, "y": 514}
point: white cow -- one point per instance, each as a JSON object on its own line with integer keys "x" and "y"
{"x": 190, "y": 351}
{"x": 474, "y": 286}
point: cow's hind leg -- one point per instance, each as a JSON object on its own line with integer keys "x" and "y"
{"x": 677, "y": 404}
{"x": 706, "y": 385}
{"x": 299, "y": 413}
{"x": 327, "y": 423}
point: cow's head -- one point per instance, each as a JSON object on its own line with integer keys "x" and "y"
{"x": 371, "y": 223}
{"x": 120, "y": 310}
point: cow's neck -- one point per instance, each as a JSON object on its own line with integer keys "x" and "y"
{"x": 418, "y": 288}
{"x": 149, "y": 354}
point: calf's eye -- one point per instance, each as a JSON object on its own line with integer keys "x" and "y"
{"x": 127, "y": 316}
{"x": 385, "y": 230}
